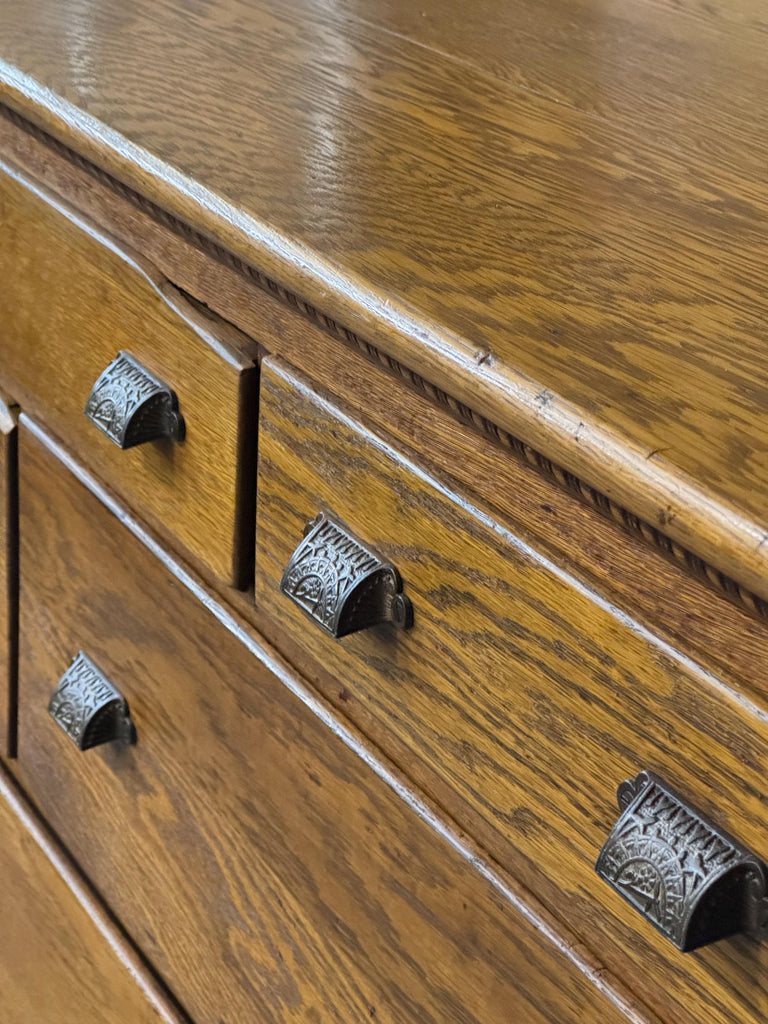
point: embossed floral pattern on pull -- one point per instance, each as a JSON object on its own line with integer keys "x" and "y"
{"x": 89, "y": 709}
{"x": 342, "y": 584}
{"x": 688, "y": 877}
{"x": 132, "y": 406}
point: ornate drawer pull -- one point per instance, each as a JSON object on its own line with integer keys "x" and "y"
{"x": 133, "y": 406}
{"x": 342, "y": 584}
{"x": 88, "y": 707}
{"x": 688, "y": 877}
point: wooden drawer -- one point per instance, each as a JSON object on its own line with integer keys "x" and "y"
{"x": 70, "y": 301}
{"x": 8, "y": 577}
{"x": 268, "y": 873}
{"x": 519, "y": 699}
{"x": 55, "y": 967}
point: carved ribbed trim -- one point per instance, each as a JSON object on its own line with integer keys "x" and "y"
{"x": 693, "y": 563}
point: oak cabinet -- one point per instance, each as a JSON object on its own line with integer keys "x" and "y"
{"x": 383, "y": 601}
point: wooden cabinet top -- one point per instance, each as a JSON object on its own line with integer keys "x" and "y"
{"x": 553, "y": 210}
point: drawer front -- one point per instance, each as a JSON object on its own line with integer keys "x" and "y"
{"x": 265, "y": 870}
{"x": 70, "y": 302}
{"x": 517, "y": 698}
{"x": 8, "y": 578}
{"x": 55, "y": 965}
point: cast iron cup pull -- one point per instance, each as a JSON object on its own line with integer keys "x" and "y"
{"x": 88, "y": 707}
{"x": 132, "y": 406}
{"x": 342, "y": 584}
{"x": 685, "y": 875}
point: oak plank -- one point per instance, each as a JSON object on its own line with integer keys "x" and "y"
{"x": 678, "y": 74}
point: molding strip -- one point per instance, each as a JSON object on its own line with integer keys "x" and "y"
{"x": 719, "y": 581}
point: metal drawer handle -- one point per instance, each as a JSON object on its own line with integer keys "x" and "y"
{"x": 685, "y": 875}
{"x": 132, "y": 406}
{"x": 88, "y": 707}
{"x": 342, "y": 584}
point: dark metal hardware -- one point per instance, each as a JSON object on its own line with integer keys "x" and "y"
{"x": 132, "y": 406}
{"x": 685, "y": 875}
{"x": 342, "y": 584}
{"x": 88, "y": 707}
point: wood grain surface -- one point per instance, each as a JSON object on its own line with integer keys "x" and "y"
{"x": 264, "y": 868}
{"x": 657, "y": 593}
{"x": 594, "y": 290}
{"x": 520, "y": 698}
{"x": 9, "y": 581}
{"x": 71, "y": 299}
{"x": 55, "y": 965}
{"x": 676, "y": 73}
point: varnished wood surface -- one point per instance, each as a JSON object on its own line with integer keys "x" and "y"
{"x": 55, "y": 965}
{"x": 660, "y": 595}
{"x": 679, "y": 73}
{"x": 522, "y": 699}
{"x": 8, "y": 577}
{"x": 656, "y": 591}
{"x": 71, "y": 299}
{"x": 267, "y": 871}
{"x": 591, "y": 288}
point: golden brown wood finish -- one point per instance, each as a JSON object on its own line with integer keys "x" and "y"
{"x": 266, "y": 870}
{"x": 55, "y": 965}
{"x": 519, "y": 699}
{"x": 597, "y": 295}
{"x": 659, "y": 594}
{"x": 677, "y": 74}
{"x": 70, "y": 300}
{"x": 8, "y": 577}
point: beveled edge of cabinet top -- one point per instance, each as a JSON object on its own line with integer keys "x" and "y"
{"x": 642, "y": 490}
